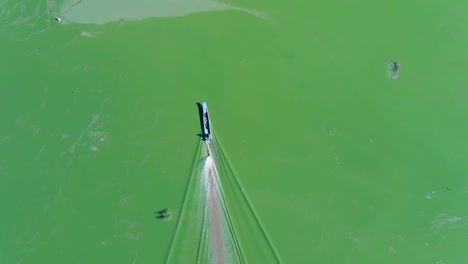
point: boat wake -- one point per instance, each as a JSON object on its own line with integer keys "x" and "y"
{"x": 220, "y": 242}
{"x": 215, "y": 211}
{"x": 205, "y": 233}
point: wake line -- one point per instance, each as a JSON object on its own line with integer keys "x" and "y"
{"x": 224, "y": 243}
{"x": 213, "y": 212}
{"x": 237, "y": 248}
{"x": 184, "y": 206}
{"x": 244, "y": 196}
{"x": 220, "y": 192}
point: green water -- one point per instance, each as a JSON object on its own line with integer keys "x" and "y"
{"x": 99, "y": 126}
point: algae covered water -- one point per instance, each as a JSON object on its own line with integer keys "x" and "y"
{"x": 340, "y": 162}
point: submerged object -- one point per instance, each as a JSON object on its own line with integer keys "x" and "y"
{"x": 394, "y": 68}
{"x": 164, "y": 214}
{"x": 206, "y": 123}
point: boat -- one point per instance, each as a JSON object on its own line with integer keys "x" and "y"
{"x": 206, "y": 123}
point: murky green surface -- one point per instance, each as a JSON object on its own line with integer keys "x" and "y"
{"x": 341, "y": 163}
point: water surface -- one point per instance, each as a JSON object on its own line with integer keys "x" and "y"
{"x": 99, "y": 126}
